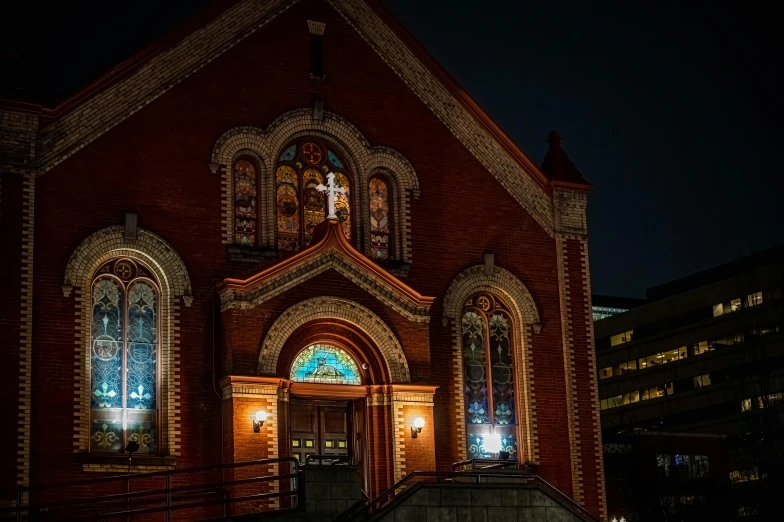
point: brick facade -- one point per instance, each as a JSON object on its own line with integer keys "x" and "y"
{"x": 158, "y": 141}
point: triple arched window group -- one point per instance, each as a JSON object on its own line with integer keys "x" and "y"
{"x": 300, "y": 206}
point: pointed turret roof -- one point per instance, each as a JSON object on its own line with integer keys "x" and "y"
{"x": 558, "y": 167}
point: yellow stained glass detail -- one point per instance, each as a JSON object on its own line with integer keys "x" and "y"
{"x": 343, "y": 203}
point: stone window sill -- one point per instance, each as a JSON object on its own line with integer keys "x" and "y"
{"x": 119, "y": 464}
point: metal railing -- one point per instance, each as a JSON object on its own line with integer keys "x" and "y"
{"x": 334, "y": 460}
{"x": 373, "y": 507}
{"x": 143, "y": 495}
{"x": 475, "y": 464}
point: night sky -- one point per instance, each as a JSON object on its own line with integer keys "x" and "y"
{"x": 669, "y": 110}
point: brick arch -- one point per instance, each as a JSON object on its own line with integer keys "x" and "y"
{"x": 111, "y": 242}
{"x": 362, "y": 158}
{"x": 502, "y": 281}
{"x": 339, "y": 333}
{"x": 170, "y": 271}
{"x": 526, "y": 317}
{"x": 319, "y": 308}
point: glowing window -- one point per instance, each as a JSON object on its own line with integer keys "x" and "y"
{"x": 302, "y": 167}
{"x": 380, "y": 225}
{"x": 124, "y": 359}
{"x": 245, "y": 197}
{"x": 324, "y": 363}
{"x": 489, "y": 378}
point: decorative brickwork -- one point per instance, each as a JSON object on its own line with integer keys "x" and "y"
{"x": 571, "y": 389}
{"x": 412, "y": 454}
{"x": 333, "y": 308}
{"x": 108, "y": 107}
{"x": 570, "y": 211}
{"x": 18, "y": 129}
{"x": 364, "y": 160}
{"x": 169, "y": 270}
{"x": 519, "y": 181}
{"x": 526, "y": 316}
{"x": 26, "y": 332}
{"x": 574, "y": 280}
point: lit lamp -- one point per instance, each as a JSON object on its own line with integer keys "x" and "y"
{"x": 258, "y": 422}
{"x": 419, "y": 423}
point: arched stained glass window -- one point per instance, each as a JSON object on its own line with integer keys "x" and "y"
{"x": 489, "y": 378}
{"x": 302, "y": 167}
{"x": 245, "y": 202}
{"x": 124, "y": 358}
{"x": 380, "y": 222}
{"x": 325, "y": 363}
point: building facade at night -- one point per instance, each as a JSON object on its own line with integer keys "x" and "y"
{"x": 691, "y": 386}
{"x": 173, "y": 269}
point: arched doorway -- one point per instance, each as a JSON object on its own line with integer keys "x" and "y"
{"x": 321, "y": 425}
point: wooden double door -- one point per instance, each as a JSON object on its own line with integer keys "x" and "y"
{"x": 321, "y": 428}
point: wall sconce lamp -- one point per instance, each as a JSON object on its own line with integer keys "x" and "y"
{"x": 419, "y": 423}
{"x": 258, "y": 422}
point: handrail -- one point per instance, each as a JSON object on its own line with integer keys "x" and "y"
{"x": 85, "y": 508}
{"x": 382, "y": 500}
{"x": 336, "y": 459}
{"x": 154, "y": 474}
{"x": 491, "y": 464}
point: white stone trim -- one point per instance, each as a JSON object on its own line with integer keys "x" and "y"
{"x": 363, "y": 161}
{"x": 334, "y": 308}
{"x": 169, "y": 270}
{"x": 526, "y": 318}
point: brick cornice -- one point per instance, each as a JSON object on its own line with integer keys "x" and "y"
{"x": 331, "y": 251}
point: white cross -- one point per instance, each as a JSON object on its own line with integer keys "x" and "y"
{"x": 331, "y": 190}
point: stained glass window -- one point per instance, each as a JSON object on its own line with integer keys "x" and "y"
{"x": 245, "y": 197}
{"x": 380, "y": 225}
{"x": 489, "y": 378}
{"x": 302, "y": 167}
{"x": 124, "y": 358}
{"x": 324, "y": 363}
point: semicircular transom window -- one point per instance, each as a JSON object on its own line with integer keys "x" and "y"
{"x": 325, "y": 363}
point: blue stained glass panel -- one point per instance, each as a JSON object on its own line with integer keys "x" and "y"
{"x": 142, "y": 346}
{"x": 106, "y": 356}
{"x": 289, "y": 154}
{"x": 334, "y": 160}
{"x": 325, "y": 364}
{"x": 502, "y": 361}
{"x": 475, "y": 369}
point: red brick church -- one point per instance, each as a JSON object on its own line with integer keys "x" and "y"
{"x": 284, "y": 230}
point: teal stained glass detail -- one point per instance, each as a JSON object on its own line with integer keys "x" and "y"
{"x": 142, "y": 344}
{"x": 334, "y": 160}
{"x": 289, "y": 153}
{"x": 325, "y": 364}
{"x": 106, "y": 357}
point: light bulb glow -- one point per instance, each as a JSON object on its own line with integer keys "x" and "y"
{"x": 492, "y": 443}
{"x": 419, "y": 423}
{"x": 261, "y": 416}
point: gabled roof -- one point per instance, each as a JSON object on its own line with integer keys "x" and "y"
{"x": 141, "y": 79}
{"x": 329, "y": 250}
